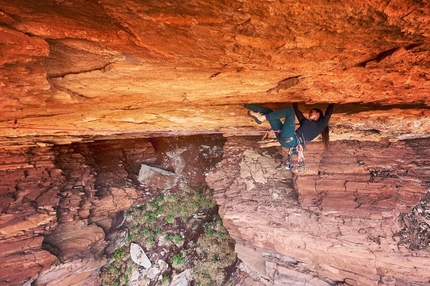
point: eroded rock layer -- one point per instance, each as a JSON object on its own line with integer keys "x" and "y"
{"x": 359, "y": 216}
{"x": 63, "y": 204}
{"x": 77, "y": 69}
{"x": 62, "y": 208}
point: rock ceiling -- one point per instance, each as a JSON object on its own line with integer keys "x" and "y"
{"x": 74, "y": 69}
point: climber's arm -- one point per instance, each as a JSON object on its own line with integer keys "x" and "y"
{"x": 298, "y": 113}
{"x": 329, "y": 111}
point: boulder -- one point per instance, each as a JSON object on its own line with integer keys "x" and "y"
{"x": 157, "y": 178}
{"x": 138, "y": 256}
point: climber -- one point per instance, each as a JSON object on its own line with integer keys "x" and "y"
{"x": 288, "y": 137}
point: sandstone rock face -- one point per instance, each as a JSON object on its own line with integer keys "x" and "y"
{"x": 61, "y": 204}
{"x": 357, "y": 216}
{"x": 83, "y": 71}
{"x": 70, "y": 74}
{"x": 63, "y": 207}
{"x": 29, "y": 188}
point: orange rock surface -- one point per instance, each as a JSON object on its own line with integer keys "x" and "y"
{"x": 77, "y": 68}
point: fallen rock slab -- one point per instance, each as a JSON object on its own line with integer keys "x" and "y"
{"x": 138, "y": 256}
{"x": 157, "y": 178}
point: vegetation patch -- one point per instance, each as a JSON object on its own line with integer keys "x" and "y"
{"x": 178, "y": 231}
{"x": 415, "y": 234}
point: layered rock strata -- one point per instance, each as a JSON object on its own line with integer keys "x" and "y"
{"x": 29, "y": 186}
{"x": 61, "y": 207}
{"x": 359, "y": 216}
{"x": 76, "y": 69}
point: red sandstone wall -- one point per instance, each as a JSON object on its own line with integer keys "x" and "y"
{"x": 59, "y": 206}
{"x": 359, "y": 215}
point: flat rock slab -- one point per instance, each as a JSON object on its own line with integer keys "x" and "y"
{"x": 157, "y": 178}
{"x": 138, "y": 256}
{"x": 182, "y": 279}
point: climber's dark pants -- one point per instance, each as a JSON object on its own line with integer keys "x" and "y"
{"x": 287, "y": 135}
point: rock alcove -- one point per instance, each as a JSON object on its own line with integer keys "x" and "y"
{"x": 88, "y": 88}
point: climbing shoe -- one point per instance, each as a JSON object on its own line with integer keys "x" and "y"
{"x": 257, "y": 116}
{"x": 289, "y": 166}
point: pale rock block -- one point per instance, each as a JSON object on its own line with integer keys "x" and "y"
{"x": 138, "y": 256}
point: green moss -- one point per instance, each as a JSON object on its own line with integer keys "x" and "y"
{"x": 177, "y": 259}
{"x": 170, "y": 218}
{"x": 152, "y": 223}
{"x": 120, "y": 253}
